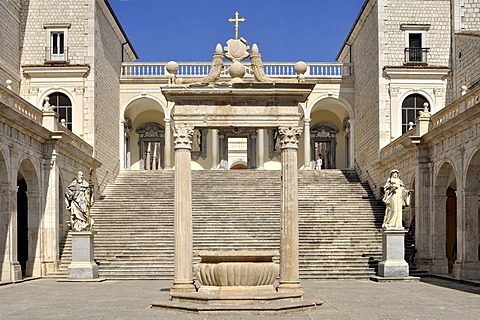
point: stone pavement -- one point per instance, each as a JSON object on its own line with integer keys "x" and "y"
{"x": 431, "y": 298}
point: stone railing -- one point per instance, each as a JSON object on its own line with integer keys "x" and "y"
{"x": 469, "y": 100}
{"x": 398, "y": 144}
{"x": 9, "y": 98}
{"x": 201, "y": 69}
{"x": 76, "y": 141}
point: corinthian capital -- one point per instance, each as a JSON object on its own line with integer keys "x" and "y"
{"x": 289, "y": 137}
{"x": 182, "y": 135}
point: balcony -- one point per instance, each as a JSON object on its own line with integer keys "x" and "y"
{"x": 416, "y": 55}
{"x": 56, "y": 55}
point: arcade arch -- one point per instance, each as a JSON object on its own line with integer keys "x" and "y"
{"x": 330, "y": 133}
{"x": 445, "y": 219}
{"x": 28, "y": 219}
{"x": 143, "y": 135}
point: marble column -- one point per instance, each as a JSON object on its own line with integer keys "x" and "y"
{"x": 183, "y": 238}
{"x": 214, "y": 149}
{"x": 167, "y": 154}
{"x": 467, "y": 265}
{"x": 289, "y": 248}
{"x": 306, "y": 146}
{"x": 261, "y": 148}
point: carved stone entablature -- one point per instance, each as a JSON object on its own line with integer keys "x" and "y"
{"x": 237, "y": 49}
{"x": 289, "y": 137}
{"x": 323, "y": 130}
{"x": 151, "y": 130}
{"x": 183, "y": 135}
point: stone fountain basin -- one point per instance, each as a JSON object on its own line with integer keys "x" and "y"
{"x": 237, "y": 268}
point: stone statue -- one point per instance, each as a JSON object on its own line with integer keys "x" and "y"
{"x": 79, "y": 199}
{"x": 396, "y": 196}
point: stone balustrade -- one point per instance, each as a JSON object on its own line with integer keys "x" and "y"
{"x": 469, "y": 100}
{"x": 201, "y": 69}
{"x": 8, "y": 98}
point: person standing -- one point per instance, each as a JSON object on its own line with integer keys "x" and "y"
{"x": 319, "y": 162}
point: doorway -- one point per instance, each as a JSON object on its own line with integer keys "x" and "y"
{"x": 451, "y": 228}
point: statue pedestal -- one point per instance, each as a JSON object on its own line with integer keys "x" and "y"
{"x": 393, "y": 264}
{"x": 83, "y": 267}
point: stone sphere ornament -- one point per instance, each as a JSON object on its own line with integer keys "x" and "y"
{"x": 236, "y": 71}
{"x": 300, "y": 67}
{"x": 172, "y": 67}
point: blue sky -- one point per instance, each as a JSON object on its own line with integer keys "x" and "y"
{"x": 284, "y": 30}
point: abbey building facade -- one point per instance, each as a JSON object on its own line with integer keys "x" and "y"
{"x": 404, "y": 94}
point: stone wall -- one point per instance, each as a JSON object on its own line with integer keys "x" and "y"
{"x": 467, "y": 61}
{"x": 470, "y": 15}
{"x": 364, "y": 51}
{"x": 10, "y": 42}
{"x": 436, "y": 14}
{"x": 108, "y": 62}
{"x": 38, "y": 15}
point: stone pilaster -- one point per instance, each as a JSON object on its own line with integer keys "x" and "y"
{"x": 50, "y": 222}
{"x": 183, "y": 268}
{"x": 306, "y": 146}
{"x": 289, "y": 248}
{"x": 261, "y": 148}
{"x": 168, "y": 145}
{"x": 35, "y": 237}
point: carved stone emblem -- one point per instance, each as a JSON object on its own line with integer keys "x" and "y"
{"x": 237, "y": 49}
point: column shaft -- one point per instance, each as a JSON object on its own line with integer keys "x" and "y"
{"x": 168, "y": 145}
{"x": 214, "y": 148}
{"x": 289, "y": 249}
{"x": 261, "y": 148}
{"x": 306, "y": 146}
{"x": 183, "y": 277}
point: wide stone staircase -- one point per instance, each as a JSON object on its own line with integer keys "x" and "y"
{"x": 339, "y": 221}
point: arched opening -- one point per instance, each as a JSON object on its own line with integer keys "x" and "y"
{"x": 63, "y": 107}
{"x": 471, "y": 203}
{"x": 411, "y": 106}
{"x": 143, "y": 135}
{"x": 444, "y": 220}
{"x": 330, "y": 134}
{"x": 451, "y": 229}
{"x": 22, "y": 223}
{"x": 239, "y": 165}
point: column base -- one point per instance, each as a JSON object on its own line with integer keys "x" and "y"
{"x": 183, "y": 286}
{"x": 469, "y": 270}
{"x": 15, "y": 272}
{"x": 290, "y": 287}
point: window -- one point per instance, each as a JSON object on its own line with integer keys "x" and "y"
{"x": 63, "y": 107}
{"x": 415, "y": 48}
{"x": 411, "y": 106}
{"x": 56, "y": 49}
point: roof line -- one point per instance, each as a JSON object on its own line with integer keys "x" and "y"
{"x": 120, "y": 27}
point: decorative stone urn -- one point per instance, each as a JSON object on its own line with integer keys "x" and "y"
{"x": 238, "y": 271}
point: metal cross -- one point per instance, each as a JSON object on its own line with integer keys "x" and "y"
{"x": 236, "y": 20}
